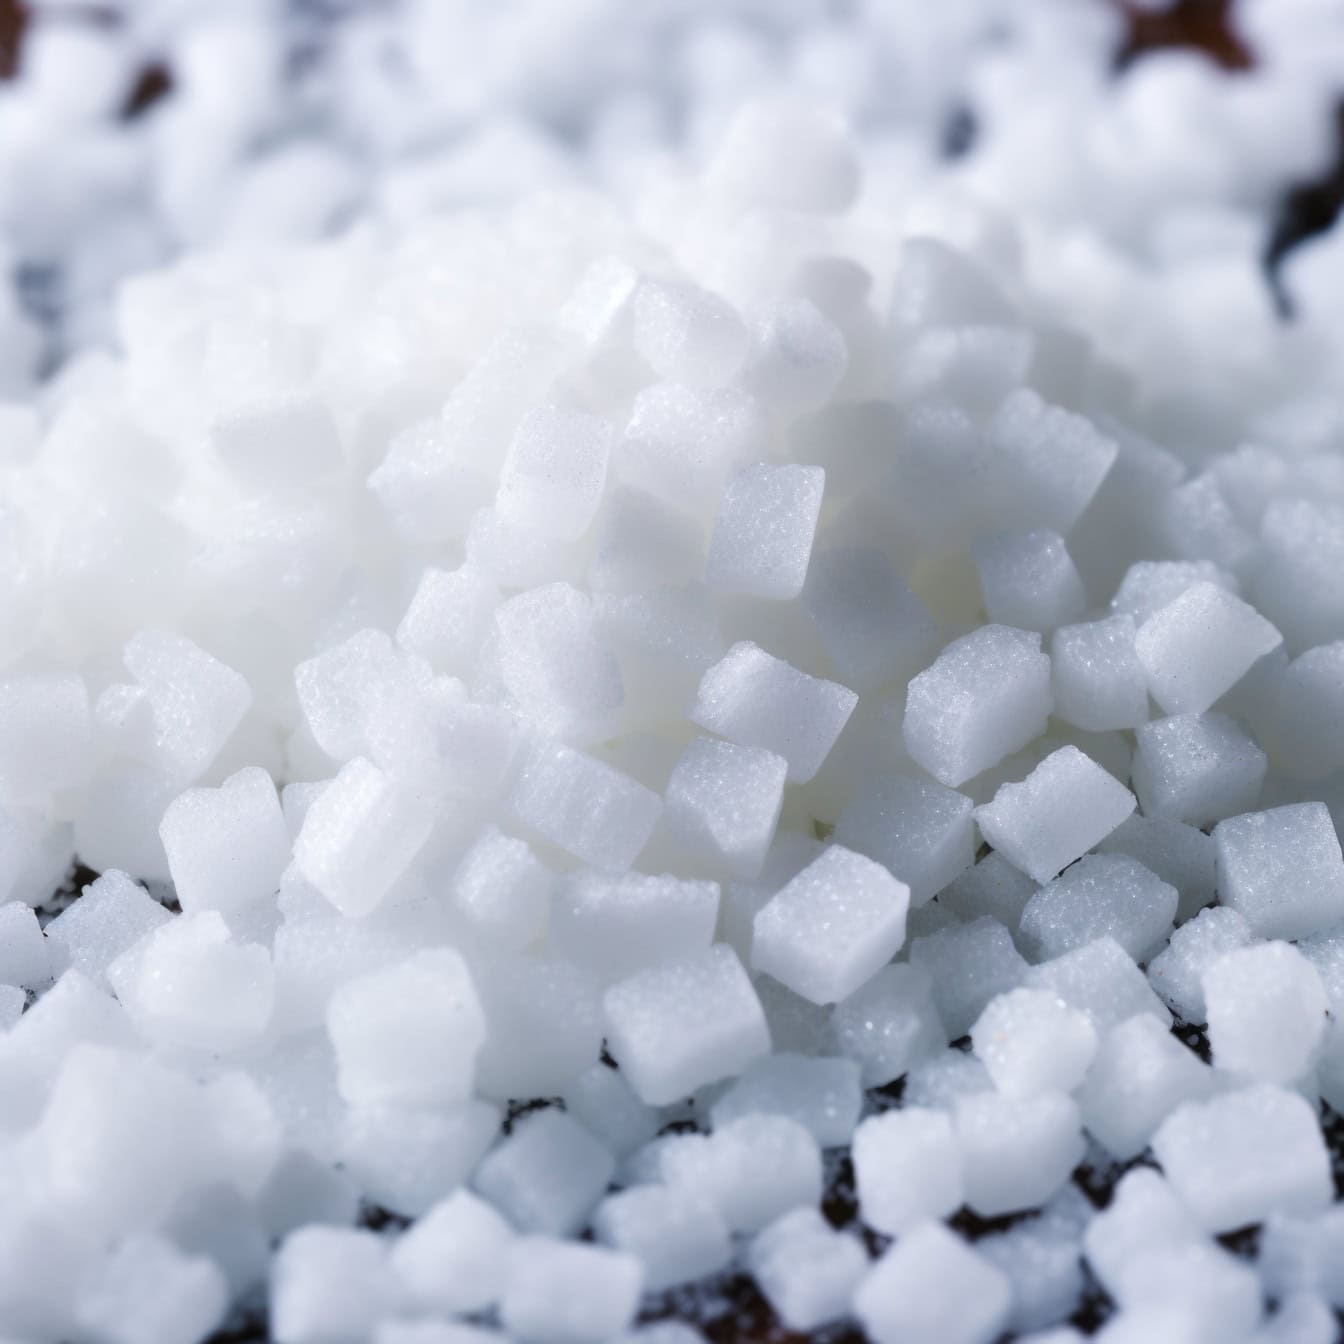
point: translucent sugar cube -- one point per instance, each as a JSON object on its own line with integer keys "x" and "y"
{"x": 1297, "y": 578}
{"x": 889, "y": 1024}
{"x": 603, "y": 1102}
{"x": 757, "y": 700}
{"x": 1040, "y": 1258}
{"x": 1100, "y": 896}
{"x": 330, "y": 1284}
{"x": 583, "y": 805}
{"x": 1099, "y": 683}
{"x": 226, "y": 847}
{"x": 907, "y": 1167}
{"x": 1199, "y": 646}
{"x": 565, "y": 1292}
{"x": 547, "y": 1175}
{"x": 968, "y": 964}
{"x": 1244, "y": 1155}
{"x": 805, "y": 1269}
{"x": 1063, "y": 807}
{"x": 448, "y": 618}
{"x": 1182, "y": 856}
{"x": 762, "y": 540}
{"x": 822, "y": 1094}
{"x": 45, "y": 734}
{"x": 555, "y": 471}
{"x": 676, "y": 1235}
{"x": 985, "y": 696}
{"x": 408, "y": 1034}
{"x": 1197, "y": 768}
{"x": 1177, "y": 972}
{"x": 13, "y": 1001}
{"x": 1304, "y": 1255}
{"x": 675, "y": 1027}
{"x": 1028, "y": 580}
{"x": 1308, "y": 712}
{"x": 1102, "y": 981}
{"x": 1141, "y": 1073}
{"x": 501, "y": 891}
{"x": 688, "y": 335}
{"x": 615, "y": 925}
{"x": 24, "y": 957}
{"x": 1195, "y": 1278}
{"x": 1149, "y": 585}
{"x": 919, "y": 830}
{"x": 992, "y": 887}
{"x": 1016, "y": 1152}
{"x": 1144, "y": 1212}
{"x": 452, "y": 1260}
{"x": 931, "y": 1288}
{"x": 1282, "y": 869}
{"x": 832, "y": 927}
{"x": 1267, "y": 1011}
{"x": 1032, "y": 1042}
{"x": 798, "y": 357}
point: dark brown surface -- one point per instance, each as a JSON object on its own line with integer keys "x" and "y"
{"x": 1199, "y": 25}
{"x": 13, "y": 20}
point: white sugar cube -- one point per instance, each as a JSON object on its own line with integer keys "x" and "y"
{"x": 300, "y": 427}
{"x": 584, "y": 806}
{"x": 722, "y": 803}
{"x": 1244, "y": 1155}
{"x": 992, "y": 887}
{"x": 805, "y": 1269}
{"x": 226, "y": 847}
{"x": 1032, "y": 1042}
{"x": 874, "y": 628}
{"x": 762, "y": 540}
{"x": 757, "y": 700}
{"x": 907, "y": 1167}
{"x": 938, "y": 284}
{"x": 448, "y": 618}
{"x": 1028, "y": 580}
{"x": 1149, "y": 585}
{"x": 968, "y": 964}
{"x": 429, "y": 483}
{"x": 675, "y": 1027}
{"x": 645, "y": 542}
{"x": 1144, "y": 1212}
{"x": 1102, "y": 980}
{"x": 675, "y": 1234}
{"x": 1267, "y": 1011}
{"x": 555, "y": 471}
{"x": 24, "y": 957}
{"x": 1064, "y": 807}
{"x": 931, "y": 1288}
{"x": 563, "y": 1292}
{"x": 302, "y": 1190}
{"x": 547, "y": 1175}
{"x": 1100, "y": 896}
{"x": 1304, "y": 1255}
{"x": 45, "y": 734}
{"x": 147, "y": 1290}
{"x": 189, "y": 984}
{"x": 986, "y": 695}
{"x": 408, "y": 1034}
{"x": 1099, "y": 683}
{"x": 919, "y": 830}
{"x": 832, "y": 927}
{"x": 1200, "y": 1281}
{"x": 359, "y": 837}
{"x": 502, "y": 891}
{"x": 1197, "y": 769}
{"x": 1199, "y": 646}
{"x": 1307, "y": 710}
{"x": 602, "y": 1101}
{"x": 799, "y": 356}
{"x": 453, "y": 1259}
{"x": 13, "y": 1001}
{"x": 1177, "y": 972}
{"x": 616, "y": 925}
{"x": 1296, "y": 580}
{"x": 1016, "y": 1152}
{"x": 687, "y": 334}
{"x": 330, "y": 1284}
{"x": 1182, "y": 856}
{"x": 890, "y": 1023}
{"x": 822, "y": 1094}
{"x": 1140, "y": 1075}
{"x": 1282, "y": 869}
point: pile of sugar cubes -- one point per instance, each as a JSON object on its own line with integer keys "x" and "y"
{"x": 641, "y": 714}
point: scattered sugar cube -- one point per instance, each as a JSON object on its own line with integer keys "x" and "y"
{"x": 1182, "y": 856}
{"x": 1144, "y": 1212}
{"x": 676, "y": 1235}
{"x": 1149, "y": 585}
{"x": 992, "y": 887}
{"x": 1141, "y": 1073}
{"x": 799, "y": 356}
{"x": 762, "y": 540}
{"x": 985, "y": 696}
{"x": 1297, "y": 578}
{"x": 968, "y": 964}
{"x": 822, "y": 1094}
{"x": 45, "y": 734}
{"x": 1100, "y": 896}
{"x": 758, "y": 700}
{"x": 1245, "y": 1155}
{"x": 688, "y": 335}
{"x": 602, "y": 1101}
{"x": 1200, "y": 645}
{"x": 1204, "y": 1281}
{"x": 25, "y": 960}
{"x": 452, "y": 1260}
{"x": 1029, "y": 581}
{"x": 1304, "y": 1255}
{"x": 1041, "y": 1259}
{"x": 564, "y": 1292}
{"x": 408, "y": 1034}
{"x": 645, "y": 542}
{"x": 330, "y": 1284}
{"x": 919, "y": 830}
{"x": 1282, "y": 869}
{"x": 832, "y": 927}
{"x": 1063, "y": 807}
{"x": 1099, "y": 683}
{"x": 555, "y": 471}
{"x": 907, "y": 1167}
{"x": 805, "y": 1269}
{"x": 1197, "y": 769}
{"x": 449, "y": 617}
{"x": 675, "y": 1027}
{"x": 1032, "y": 1042}
{"x": 1267, "y": 1011}
{"x": 1308, "y": 713}
{"x": 502, "y": 891}
{"x": 1102, "y": 980}
{"x": 722, "y": 803}
{"x": 889, "y": 1023}
{"x": 931, "y": 1288}
{"x": 547, "y": 1175}
{"x": 1177, "y": 972}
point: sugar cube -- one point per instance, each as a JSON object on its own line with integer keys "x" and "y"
{"x": 501, "y": 891}
{"x": 25, "y": 960}
{"x": 968, "y": 965}
{"x": 1102, "y": 980}
{"x": 1177, "y": 972}
{"x": 452, "y": 1259}
{"x": 1032, "y": 1042}
{"x": 762, "y": 540}
{"x": 555, "y": 471}
{"x": 889, "y": 1023}
{"x": 907, "y": 1167}
{"x": 564, "y": 1292}
{"x": 1099, "y": 683}
{"x": 1028, "y": 580}
{"x": 449, "y": 617}
{"x": 822, "y": 1094}
{"x": 676, "y": 1235}
{"x": 1197, "y": 769}
{"x": 805, "y": 1269}
{"x": 688, "y": 335}
{"x": 1182, "y": 856}
{"x": 330, "y": 1283}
